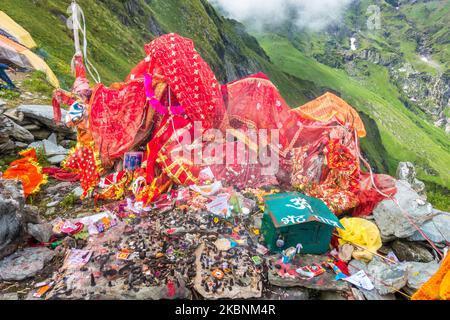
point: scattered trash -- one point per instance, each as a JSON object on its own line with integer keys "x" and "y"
{"x": 361, "y": 280}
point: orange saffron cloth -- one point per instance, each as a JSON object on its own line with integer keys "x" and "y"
{"x": 329, "y": 106}
{"x": 27, "y": 170}
{"x": 438, "y": 286}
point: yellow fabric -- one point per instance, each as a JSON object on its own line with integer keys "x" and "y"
{"x": 39, "y": 64}
{"x": 363, "y": 233}
{"x": 35, "y": 61}
{"x": 328, "y": 107}
{"x": 438, "y": 286}
{"x": 14, "y": 29}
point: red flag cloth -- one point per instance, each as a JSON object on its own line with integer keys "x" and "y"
{"x": 190, "y": 78}
{"x": 115, "y": 117}
{"x": 255, "y": 103}
{"x": 60, "y": 174}
{"x": 369, "y": 197}
{"x": 83, "y": 160}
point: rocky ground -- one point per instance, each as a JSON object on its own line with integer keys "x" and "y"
{"x": 178, "y": 249}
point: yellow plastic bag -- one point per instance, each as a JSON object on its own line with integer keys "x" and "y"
{"x": 363, "y": 233}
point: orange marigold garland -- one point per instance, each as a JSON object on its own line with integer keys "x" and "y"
{"x": 28, "y": 171}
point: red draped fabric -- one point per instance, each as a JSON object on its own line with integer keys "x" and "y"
{"x": 190, "y": 78}
{"x": 115, "y": 117}
{"x": 317, "y": 148}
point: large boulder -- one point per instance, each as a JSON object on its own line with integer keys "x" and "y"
{"x": 15, "y": 131}
{"x": 437, "y": 229}
{"x": 386, "y": 278}
{"x": 41, "y": 232}
{"x": 354, "y": 267}
{"x": 392, "y": 220}
{"x": 411, "y": 251}
{"x": 419, "y": 273}
{"x": 25, "y": 263}
{"x": 44, "y": 115}
{"x": 51, "y": 149}
{"x": 12, "y": 202}
{"x": 6, "y": 144}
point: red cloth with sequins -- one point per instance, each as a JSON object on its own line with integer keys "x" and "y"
{"x": 115, "y": 117}
{"x": 82, "y": 160}
{"x": 190, "y": 78}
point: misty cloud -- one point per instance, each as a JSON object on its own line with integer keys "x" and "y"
{"x": 262, "y": 14}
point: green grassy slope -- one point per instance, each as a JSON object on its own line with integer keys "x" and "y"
{"x": 404, "y": 135}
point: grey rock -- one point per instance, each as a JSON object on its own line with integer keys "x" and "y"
{"x": 44, "y": 114}
{"x": 374, "y": 295}
{"x": 53, "y": 138}
{"x": 41, "y": 232}
{"x": 324, "y": 282}
{"x": 419, "y": 273}
{"x": 20, "y": 145}
{"x": 2, "y": 102}
{"x": 354, "y": 266}
{"x": 12, "y": 202}
{"x": 14, "y": 115}
{"x": 437, "y": 229}
{"x": 61, "y": 187}
{"x": 32, "y": 127}
{"x": 411, "y": 251}
{"x": 392, "y": 221}
{"x": 279, "y": 293}
{"x": 52, "y": 204}
{"x": 49, "y": 147}
{"x": 386, "y": 278}
{"x": 30, "y": 214}
{"x": 407, "y": 172}
{"x": 6, "y": 145}
{"x": 50, "y": 211}
{"x": 9, "y": 296}
{"x": 24, "y": 263}
{"x": 40, "y": 134}
{"x": 78, "y": 191}
{"x": 56, "y": 159}
{"x": 332, "y": 295}
{"x": 15, "y": 131}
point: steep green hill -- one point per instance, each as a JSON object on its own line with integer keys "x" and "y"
{"x": 404, "y": 135}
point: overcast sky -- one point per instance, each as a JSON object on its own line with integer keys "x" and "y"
{"x": 312, "y": 14}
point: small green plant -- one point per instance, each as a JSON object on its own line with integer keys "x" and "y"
{"x": 68, "y": 201}
{"x": 6, "y": 161}
{"x": 439, "y": 200}
{"x": 42, "y": 157}
{"x": 9, "y": 94}
{"x": 72, "y": 144}
{"x": 38, "y": 83}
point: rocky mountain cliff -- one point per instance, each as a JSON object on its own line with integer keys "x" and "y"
{"x": 411, "y": 43}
